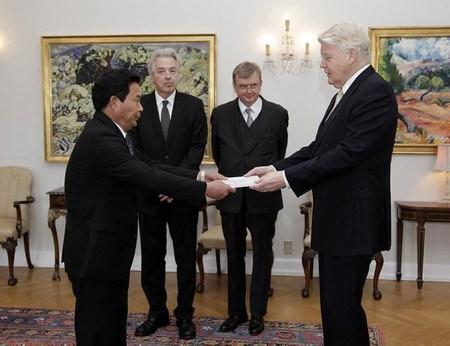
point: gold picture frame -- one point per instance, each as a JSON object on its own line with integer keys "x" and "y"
{"x": 414, "y": 61}
{"x": 70, "y": 65}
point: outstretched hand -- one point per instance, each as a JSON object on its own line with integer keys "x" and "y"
{"x": 270, "y": 182}
{"x": 218, "y": 190}
{"x": 211, "y": 176}
{"x": 259, "y": 171}
{"x": 164, "y": 198}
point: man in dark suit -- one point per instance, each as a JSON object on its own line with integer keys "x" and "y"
{"x": 348, "y": 168}
{"x": 246, "y": 132}
{"x": 172, "y": 129}
{"x": 101, "y": 179}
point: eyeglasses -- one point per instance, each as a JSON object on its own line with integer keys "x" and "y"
{"x": 245, "y": 87}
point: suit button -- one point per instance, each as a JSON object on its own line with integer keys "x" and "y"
{"x": 166, "y": 157}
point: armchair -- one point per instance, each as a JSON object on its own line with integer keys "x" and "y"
{"x": 213, "y": 238}
{"x": 308, "y": 255}
{"x": 15, "y": 198}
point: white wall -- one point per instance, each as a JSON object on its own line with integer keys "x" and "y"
{"x": 239, "y": 26}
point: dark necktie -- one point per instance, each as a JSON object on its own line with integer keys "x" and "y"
{"x": 129, "y": 144}
{"x": 165, "y": 118}
{"x": 249, "y": 112}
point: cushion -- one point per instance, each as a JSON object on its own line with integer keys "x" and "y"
{"x": 213, "y": 238}
{"x": 15, "y": 185}
{"x": 7, "y": 228}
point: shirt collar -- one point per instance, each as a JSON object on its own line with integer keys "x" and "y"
{"x": 255, "y": 107}
{"x": 350, "y": 81}
{"x": 160, "y": 99}
{"x": 121, "y": 129}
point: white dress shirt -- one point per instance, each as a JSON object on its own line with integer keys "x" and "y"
{"x": 159, "y": 103}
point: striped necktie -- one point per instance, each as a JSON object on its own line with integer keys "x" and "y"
{"x": 249, "y": 112}
{"x": 129, "y": 144}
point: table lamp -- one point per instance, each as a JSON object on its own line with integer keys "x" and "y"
{"x": 443, "y": 164}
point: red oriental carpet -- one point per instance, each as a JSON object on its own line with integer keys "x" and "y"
{"x": 21, "y": 326}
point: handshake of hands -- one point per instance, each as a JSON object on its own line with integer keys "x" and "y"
{"x": 268, "y": 180}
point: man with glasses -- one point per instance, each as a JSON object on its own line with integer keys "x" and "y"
{"x": 247, "y": 132}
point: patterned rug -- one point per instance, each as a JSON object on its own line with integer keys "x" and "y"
{"x": 21, "y": 326}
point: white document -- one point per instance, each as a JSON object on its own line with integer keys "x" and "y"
{"x": 241, "y": 181}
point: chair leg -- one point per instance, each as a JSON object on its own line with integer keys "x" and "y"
{"x": 10, "y": 247}
{"x": 219, "y": 270}
{"x": 26, "y": 243}
{"x": 307, "y": 262}
{"x": 311, "y": 266}
{"x": 379, "y": 260}
{"x": 200, "y": 287}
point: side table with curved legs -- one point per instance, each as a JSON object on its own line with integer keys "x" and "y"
{"x": 420, "y": 212}
{"x": 57, "y": 208}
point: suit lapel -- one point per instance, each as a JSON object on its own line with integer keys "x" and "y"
{"x": 236, "y": 131}
{"x": 151, "y": 112}
{"x": 325, "y": 125}
{"x": 259, "y": 126}
{"x": 176, "y": 119}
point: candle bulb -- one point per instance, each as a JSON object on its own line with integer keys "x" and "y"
{"x": 286, "y": 24}
{"x": 307, "y": 48}
{"x": 267, "y": 49}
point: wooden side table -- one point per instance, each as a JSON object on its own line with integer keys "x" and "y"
{"x": 420, "y": 212}
{"x": 57, "y": 208}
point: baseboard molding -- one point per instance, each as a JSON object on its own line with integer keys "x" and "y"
{"x": 281, "y": 266}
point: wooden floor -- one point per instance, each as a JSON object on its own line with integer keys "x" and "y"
{"x": 407, "y": 316}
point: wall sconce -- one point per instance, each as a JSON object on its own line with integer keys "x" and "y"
{"x": 287, "y": 62}
{"x": 443, "y": 164}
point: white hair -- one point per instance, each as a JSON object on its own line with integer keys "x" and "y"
{"x": 162, "y": 53}
{"x": 348, "y": 36}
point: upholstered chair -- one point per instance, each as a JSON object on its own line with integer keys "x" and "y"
{"x": 15, "y": 198}
{"x": 212, "y": 238}
{"x": 308, "y": 254}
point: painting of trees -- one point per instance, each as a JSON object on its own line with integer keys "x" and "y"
{"x": 416, "y": 62}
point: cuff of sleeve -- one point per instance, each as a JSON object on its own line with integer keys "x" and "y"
{"x": 201, "y": 175}
{"x": 285, "y": 180}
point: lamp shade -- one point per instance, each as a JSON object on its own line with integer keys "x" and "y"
{"x": 443, "y": 158}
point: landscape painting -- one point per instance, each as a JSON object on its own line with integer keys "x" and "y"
{"x": 71, "y": 64}
{"x": 416, "y": 61}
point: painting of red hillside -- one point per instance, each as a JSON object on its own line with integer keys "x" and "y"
{"x": 416, "y": 61}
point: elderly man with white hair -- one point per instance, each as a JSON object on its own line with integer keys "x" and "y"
{"x": 348, "y": 168}
{"x": 172, "y": 130}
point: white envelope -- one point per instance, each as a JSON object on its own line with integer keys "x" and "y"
{"x": 237, "y": 182}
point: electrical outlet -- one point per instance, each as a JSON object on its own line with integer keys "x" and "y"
{"x": 287, "y": 250}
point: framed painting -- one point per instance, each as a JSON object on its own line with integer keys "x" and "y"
{"x": 71, "y": 64}
{"x": 415, "y": 60}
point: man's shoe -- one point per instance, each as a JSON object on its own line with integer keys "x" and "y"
{"x": 186, "y": 329}
{"x": 231, "y": 323}
{"x": 256, "y": 326}
{"x": 151, "y": 324}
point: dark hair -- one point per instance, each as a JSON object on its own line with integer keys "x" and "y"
{"x": 112, "y": 83}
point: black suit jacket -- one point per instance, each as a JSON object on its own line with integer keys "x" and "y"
{"x": 236, "y": 155}
{"x": 100, "y": 189}
{"x": 186, "y": 139}
{"x": 348, "y": 168}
